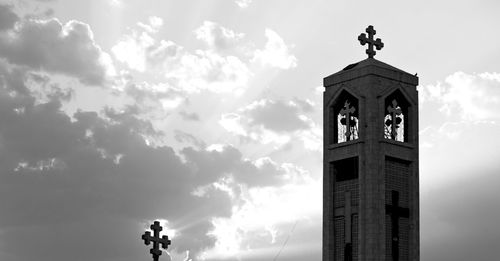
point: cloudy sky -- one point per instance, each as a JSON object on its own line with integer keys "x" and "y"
{"x": 207, "y": 116}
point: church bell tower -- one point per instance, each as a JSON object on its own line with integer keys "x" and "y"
{"x": 370, "y": 172}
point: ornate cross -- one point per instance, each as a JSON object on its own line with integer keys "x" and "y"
{"x": 396, "y": 212}
{"x": 395, "y": 111}
{"x": 377, "y": 43}
{"x": 347, "y": 112}
{"x": 155, "y": 251}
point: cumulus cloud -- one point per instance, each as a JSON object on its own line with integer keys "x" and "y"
{"x": 184, "y": 137}
{"x": 462, "y": 112}
{"x": 278, "y": 115}
{"x": 150, "y": 97}
{"x": 223, "y": 67}
{"x": 275, "y": 53}
{"x": 230, "y": 162}
{"x": 139, "y": 49}
{"x": 189, "y": 116}
{"x": 207, "y": 70}
{"x": 153, "y": 26}
{"x": 7, "y": 17}
{"x": 217, "y": 36}
{"x": 258, "y": 227}
{"x": 472, "y": 96}
{"x": 95, "y": 181}
{"x": 274, "y": 121}
{"x": 243, "y": 3}
{"x": 188, "y": 71}
{"x": 52, "y": 46}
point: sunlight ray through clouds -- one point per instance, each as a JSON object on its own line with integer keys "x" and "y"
{"x": 264, "y": 209}
{"x": 205, "y": 115}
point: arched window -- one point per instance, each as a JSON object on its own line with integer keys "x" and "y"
{"x": 344, "y": 120}
{"x": 396, "y": 117}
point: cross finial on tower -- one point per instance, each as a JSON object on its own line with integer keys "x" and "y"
{"x": 364, "y": 40}
{"x": 156, "y": 239}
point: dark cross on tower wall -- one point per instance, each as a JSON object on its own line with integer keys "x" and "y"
{"x": 347, "y": 112}
{"x": 369, "y": 40}
{"x": 155, "y": 251}
{"x": 395, "y": 112}
{"x": 348, "y": 227}
{"x": 396, "y": 212}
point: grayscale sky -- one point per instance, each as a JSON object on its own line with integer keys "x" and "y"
{"x": 207, "y": 116}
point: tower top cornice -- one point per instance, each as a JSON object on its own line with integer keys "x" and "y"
{"x": 370, "y": 66}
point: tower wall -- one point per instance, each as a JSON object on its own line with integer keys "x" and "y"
{"x": 385, "y": 166}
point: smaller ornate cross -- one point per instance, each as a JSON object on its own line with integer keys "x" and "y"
{"x": 369, "y": 40}
{"x": 395, "y": 111}
{"x": 347, "y": 112}
{"x": 155, "y": 251}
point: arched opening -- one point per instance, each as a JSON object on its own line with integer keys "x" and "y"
{"x": 344, "y": 118}
{"x": 396, "y": 117}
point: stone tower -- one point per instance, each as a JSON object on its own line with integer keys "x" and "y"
{"x": 370, "y": 172}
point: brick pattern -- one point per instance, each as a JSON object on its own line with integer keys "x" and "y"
{"x": 404, "y": 240}
{"x": 397, "y": 178}
{"x": 341, "y": 187}
{"x": 339, "y": 238}
{"x": 388, "y": 243}
{"x": 331, "y": 126}
{"x": 355, "y": 242}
